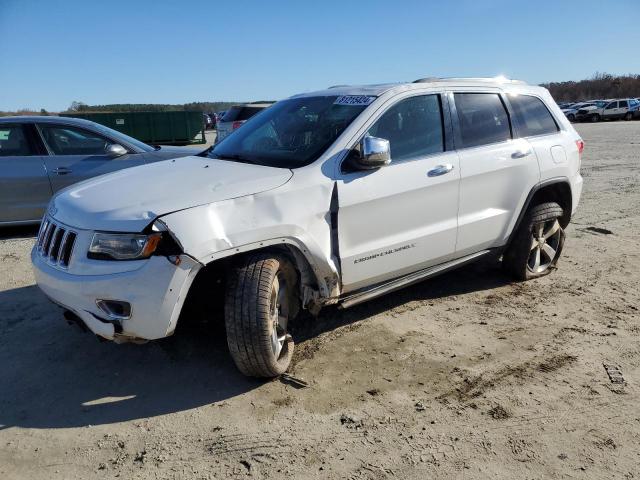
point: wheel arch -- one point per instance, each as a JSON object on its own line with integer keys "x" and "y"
{"x": 206, "y": 293}
{"x": 557, "y": 190}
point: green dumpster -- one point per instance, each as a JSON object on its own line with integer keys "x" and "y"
{"x": 156, "y": 128}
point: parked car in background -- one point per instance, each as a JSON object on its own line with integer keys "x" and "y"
{"x": 41, "y": 155}
{"x": 236, "y": 116}
{"x": 586, "y": 109}
{"x": 571, "y": 111}
{"x": 208, "y": 121}
{"x": 329, "y": 197}
{"x": 613, "y": 109}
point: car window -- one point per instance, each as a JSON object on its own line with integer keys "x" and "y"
{"x": 623, "y": 104}
{"x": 533, "y": 116}
{"x": 292, "y": 133}
{"x": 13, "y": 141}
{"x": 413, "y": 127}
{"x": 483, "y": 118}
{"x": 612, "y": 105}
{"x": 237, "y": 114}
{"x": 64, "y": 140}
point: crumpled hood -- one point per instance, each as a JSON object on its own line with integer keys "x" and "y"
{"x": 128, "y": 200}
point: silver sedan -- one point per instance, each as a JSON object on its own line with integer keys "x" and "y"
{"x": 41, "y": 155}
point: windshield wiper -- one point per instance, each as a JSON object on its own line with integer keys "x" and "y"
{"x": 235, "y": 157}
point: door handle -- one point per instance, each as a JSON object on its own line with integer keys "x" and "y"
{"x": 440, "y": 170}
{"x": 61, "y": 170}
{"x": 521, "y": 153}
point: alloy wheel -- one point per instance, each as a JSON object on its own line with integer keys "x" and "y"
{"x": 545, "y": 243}
{"x": 279, "y": 313}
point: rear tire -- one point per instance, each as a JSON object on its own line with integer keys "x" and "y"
{"x": 537, "y": 244}
{"x": 571, "y": 117}
{"x": 260, "y": 301}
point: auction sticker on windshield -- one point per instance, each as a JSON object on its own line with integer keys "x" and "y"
{"x": 354, "y": 100}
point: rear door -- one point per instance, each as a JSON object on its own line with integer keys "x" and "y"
{"x": 77, "y": 154}
{"x": 24, "y": 185}
{"x": 552, "y": 146}
{"x": 497, "y": 172}
{"x": 623, "y": 108}
{"x": 401, "y": 217}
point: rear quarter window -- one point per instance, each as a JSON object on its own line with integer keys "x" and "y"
{"x": 532, "y": 115}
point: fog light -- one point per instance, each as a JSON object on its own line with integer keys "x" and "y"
{"x": 115, "y": 309}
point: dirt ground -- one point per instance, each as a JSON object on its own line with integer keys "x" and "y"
{"x": 464, "y": 376}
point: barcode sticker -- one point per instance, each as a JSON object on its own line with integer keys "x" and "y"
{"x": 354, "y": 100}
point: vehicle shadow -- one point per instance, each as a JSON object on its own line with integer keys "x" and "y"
{"x": 52, "y": 375}
{"x": 484, "y": 274}
{"x": 23, "y": 231}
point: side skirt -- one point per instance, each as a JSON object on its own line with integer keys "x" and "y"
{"x": 406, "y": 280}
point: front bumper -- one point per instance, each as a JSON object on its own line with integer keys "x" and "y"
{"x": 156, "y": 292}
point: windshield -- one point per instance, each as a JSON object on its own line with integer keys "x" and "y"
{"x": 119, "y": 136}
{"x": 292, "y": 133}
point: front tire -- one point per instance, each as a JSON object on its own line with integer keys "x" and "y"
{"x": 571, "y": 117}
{"x": 595, "y": 117}
{"x": 537, "y": 244}
{"x": 260, "y": 301}
{"x": 628, "y": 116}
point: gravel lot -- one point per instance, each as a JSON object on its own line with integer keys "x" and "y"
{"x": 464, "y": 376}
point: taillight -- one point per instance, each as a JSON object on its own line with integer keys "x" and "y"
{"x": 580, "y": 145}
{"x": 235, "y": 125}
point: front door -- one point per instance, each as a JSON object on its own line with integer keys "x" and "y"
{"x": 24, "y": 185}
{"x": 77, "y": 154}
{"x": 401, "y": 217}
{"x": 611, "y": 111}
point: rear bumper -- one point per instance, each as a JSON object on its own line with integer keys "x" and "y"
{"x": 576, "y": 192}
{"x": 156, "y": 292}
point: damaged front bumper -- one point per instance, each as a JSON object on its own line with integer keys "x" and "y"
{"x": 155, "y": 292}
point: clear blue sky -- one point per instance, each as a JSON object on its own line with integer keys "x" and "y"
{"x": 161, "y": 51}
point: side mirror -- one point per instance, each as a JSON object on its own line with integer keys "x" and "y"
{"x": 374, "y": 153}
{"x": 116, "y": 150}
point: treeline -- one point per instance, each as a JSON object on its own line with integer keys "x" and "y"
{"x": 601, "y": 85}
{"x": 81, "y": 107}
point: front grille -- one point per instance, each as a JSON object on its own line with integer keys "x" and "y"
{"x": 55, "y": 243}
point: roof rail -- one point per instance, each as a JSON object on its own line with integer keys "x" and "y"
{"x": 337, "y": 86}
{"x": 498, "y": 79}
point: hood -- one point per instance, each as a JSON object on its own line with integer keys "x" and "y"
{"x": 128, "y": 200}
{"x": 167, "y": 152}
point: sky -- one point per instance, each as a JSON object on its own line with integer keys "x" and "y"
{"x": 143, "y": 51}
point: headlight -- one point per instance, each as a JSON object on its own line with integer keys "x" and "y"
{"x": 123, "y": 246}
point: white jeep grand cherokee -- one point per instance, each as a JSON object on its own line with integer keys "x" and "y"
{"x": 330, "y": 197}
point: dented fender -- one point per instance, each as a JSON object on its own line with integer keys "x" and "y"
{"x": 296, "y": 214}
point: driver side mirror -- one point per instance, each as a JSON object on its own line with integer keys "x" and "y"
{"x": 116, "y": 150}
{"x": 374, "y": 153}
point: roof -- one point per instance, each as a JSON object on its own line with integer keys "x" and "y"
{"x": 379, "y": 89}
{"x": 46, "y": 119}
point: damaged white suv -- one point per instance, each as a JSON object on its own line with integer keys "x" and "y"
{"x": 330, "y": 197}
